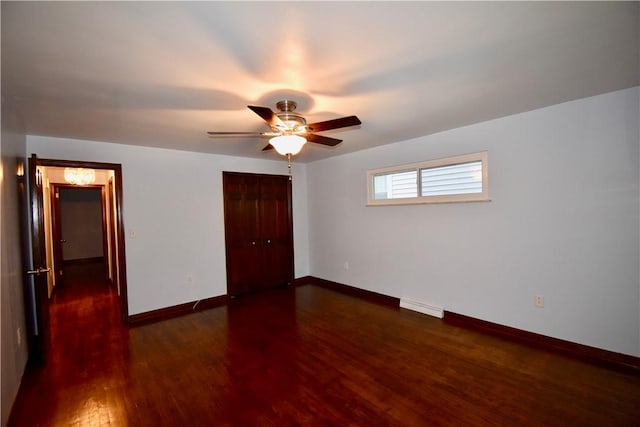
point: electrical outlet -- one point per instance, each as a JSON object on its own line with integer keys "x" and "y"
{"x": 189, "y": 279}
{"x": 346, "y": 265}
{"x": 539, "y": 301}
{"x": 132, "y": 233}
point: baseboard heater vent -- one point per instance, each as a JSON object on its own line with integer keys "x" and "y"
{"x": 422, "y": 307}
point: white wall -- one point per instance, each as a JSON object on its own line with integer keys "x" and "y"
{"x": 563, "y": 223}
{"x": 13, "y": 354}
{"x": 173, "y": 204}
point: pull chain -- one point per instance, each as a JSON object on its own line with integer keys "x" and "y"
{"x": 289, "y": 163}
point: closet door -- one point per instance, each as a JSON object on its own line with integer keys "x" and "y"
{"x": 258, "y": 231}
{"x": 276, "y": 231}
{"x": 241, "y": 204}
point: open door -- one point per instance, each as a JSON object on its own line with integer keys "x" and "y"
{"x": 35, "y": 277}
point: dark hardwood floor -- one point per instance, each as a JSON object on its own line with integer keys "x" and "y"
{"x": 303, "y": 356}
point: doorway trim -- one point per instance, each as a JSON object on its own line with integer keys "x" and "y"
{"x": 119, "y": 222}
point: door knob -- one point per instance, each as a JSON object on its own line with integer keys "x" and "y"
{"x": 38, "y": 270}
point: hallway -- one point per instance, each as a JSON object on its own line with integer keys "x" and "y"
{"x": 85, "y": 319}
{"x": 86, "y": 335}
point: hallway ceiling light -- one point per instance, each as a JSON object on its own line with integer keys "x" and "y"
{"x": 79, "y": 176}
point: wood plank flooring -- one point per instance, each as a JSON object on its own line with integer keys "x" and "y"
{"x": 304, "y": 357}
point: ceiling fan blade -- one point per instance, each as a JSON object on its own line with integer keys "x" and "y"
{"x": 235, "y": 133}
{"x": 342, "y": 122}
{"x": 269, "y": 116}
{"x": 324, "y": 140}
{"x": 268, "y": 147}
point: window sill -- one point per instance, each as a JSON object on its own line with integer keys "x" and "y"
{"x": 404, "y": 202}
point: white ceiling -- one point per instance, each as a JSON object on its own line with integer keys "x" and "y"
{"x": 162, "y": 74}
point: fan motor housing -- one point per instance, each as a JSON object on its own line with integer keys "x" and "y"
{"x": 293, "y": 121}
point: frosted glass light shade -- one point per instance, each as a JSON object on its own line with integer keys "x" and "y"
{"x": 288, "y": 144}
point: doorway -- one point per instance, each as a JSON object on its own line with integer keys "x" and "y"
{"x": 79, "y": 229}
{"x": 92, "y": 237}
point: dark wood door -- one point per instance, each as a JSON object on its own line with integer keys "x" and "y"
{"x": 36, "y": 290}
{"x": 258, "y": 231}
{"x": 276, "y": 230}
{"x": 241, "y": 201}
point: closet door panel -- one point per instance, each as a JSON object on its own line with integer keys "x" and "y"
{"x": 275, "y": 228}
{"x": 241, "y": 204}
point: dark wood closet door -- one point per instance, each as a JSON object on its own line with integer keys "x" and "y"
{"x": 241, "y": 202}
{"x": 275, "y": 229}
{"x": 258, "y": 231}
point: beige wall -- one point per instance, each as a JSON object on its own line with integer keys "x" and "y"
{"x": 13, "y": 345}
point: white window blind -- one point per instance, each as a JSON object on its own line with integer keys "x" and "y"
{"x": 453, "y": 179}
{"x": 463, "y": 178}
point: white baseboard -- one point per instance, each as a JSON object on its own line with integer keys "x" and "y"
{"x": 422, "y": 307}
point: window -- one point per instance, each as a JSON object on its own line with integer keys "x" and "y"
{"x": 453, "y": 179}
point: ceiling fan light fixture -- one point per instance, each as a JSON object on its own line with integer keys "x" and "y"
{"x": 288, "y": 144}
{"x": 289, "y": 130}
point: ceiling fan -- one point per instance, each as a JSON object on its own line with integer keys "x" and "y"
{"x": 290, "y": 130}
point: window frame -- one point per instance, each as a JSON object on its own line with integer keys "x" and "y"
{"x": 483, "y": 196}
